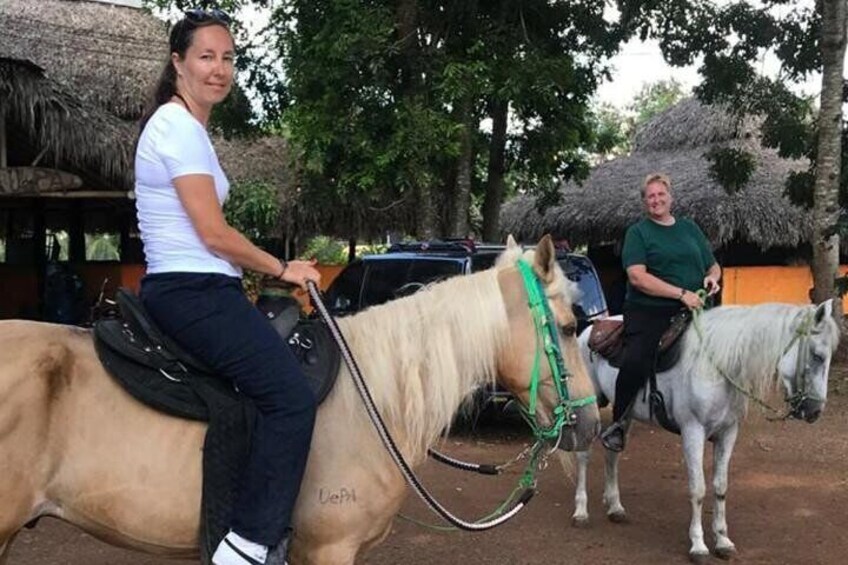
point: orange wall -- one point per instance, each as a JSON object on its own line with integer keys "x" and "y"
{"x": 753, "y": 285}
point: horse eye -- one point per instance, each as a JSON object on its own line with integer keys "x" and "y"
{"x": 569, "y": 330}
{"x": 818, "y": 359}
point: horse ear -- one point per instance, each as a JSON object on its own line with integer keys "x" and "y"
{"x": 823, "y": 310}
{"x": 510, "y": 242}
{"x": 545, "y": 258}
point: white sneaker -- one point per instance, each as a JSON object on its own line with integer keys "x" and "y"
{"x": 236, "y": 550}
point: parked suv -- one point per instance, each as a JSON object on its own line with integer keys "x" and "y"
{"x": 407, "y": 267}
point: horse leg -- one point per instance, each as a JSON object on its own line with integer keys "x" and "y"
{"x": 722, "y": 450}
{"x": 580, "y": 518}
{"x": 693, "y": 452}
{"x": 612, "y": 498}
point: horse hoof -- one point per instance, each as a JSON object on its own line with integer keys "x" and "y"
{"x": 580, "y": 522}
{"x": 617, "y": 517}
{"x": 699, "y": 558}
{"x": 725, "y": 552}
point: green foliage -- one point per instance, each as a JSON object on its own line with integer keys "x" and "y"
{"x": 102, "y": 247}
{"x": 799, "y": 188}
{"x": 653, "y": 99}
{"x": 371, "y": 249}
{"x": 253, "y": 208}
{"x": 731, "y": 168}
{"x": 614, "y": 129}
{"x": 326, "y": 250}
{"x": 382, "y": 93}
{"x": 612, "y": 132}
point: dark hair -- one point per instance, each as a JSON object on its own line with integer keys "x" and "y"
{"x": 182, "y": 36}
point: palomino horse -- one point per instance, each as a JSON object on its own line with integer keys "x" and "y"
{"x": 75, "y": 445}
{"x": 754, "y": 347}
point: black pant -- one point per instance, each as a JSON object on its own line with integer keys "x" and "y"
{"x": 643, "y": 328}
{"x": 209, "y": 315}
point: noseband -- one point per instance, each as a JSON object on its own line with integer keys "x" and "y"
{"x": 802, "y": 359}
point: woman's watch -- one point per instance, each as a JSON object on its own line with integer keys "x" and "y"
{"x": 682, "y": 294}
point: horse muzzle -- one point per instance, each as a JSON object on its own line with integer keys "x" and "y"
{"x": 808, "y": 410}
{"x": 586, "y": 427}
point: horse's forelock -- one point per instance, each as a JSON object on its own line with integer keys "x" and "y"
{"x": 561, "y": 285}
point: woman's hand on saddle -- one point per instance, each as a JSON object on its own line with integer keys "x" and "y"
{"x": 711, "y": 285}
{"x": 299, "y": 272}
{"x": 691, "y": 299}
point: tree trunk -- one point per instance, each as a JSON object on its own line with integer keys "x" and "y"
{"x": 829, "y": 154}
{"x": 495, "y": 177}
{"x": 351, "y": 249}
{"x": 461, "y": 199}
{"x": 406, "y": 16}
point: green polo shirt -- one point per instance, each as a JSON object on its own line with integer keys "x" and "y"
{"x": 678, "y": 254}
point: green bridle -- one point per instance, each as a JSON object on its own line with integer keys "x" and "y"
{"x": 547, "y": 339}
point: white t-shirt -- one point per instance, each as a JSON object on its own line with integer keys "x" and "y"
{"x": 174, "y": 144}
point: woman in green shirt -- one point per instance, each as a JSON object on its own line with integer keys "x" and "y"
{"x": 667, "y": 260}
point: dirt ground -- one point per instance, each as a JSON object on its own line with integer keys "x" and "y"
{"x": 787, "y": 503}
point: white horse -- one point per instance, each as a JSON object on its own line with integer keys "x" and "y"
{"x": 755, "y": 347}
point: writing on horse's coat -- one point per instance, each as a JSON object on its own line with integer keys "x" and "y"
{"x": 75, "y": 445}
{"x": 756, "y": 347}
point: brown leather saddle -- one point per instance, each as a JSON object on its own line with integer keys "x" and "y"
{"x": 607, "y": 340}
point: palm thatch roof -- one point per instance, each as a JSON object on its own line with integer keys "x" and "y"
{"x": 675, "y": 143}
{"x": 44, "y": 114}
{"x": 107, "y": 55}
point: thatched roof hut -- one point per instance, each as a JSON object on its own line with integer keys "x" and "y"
{"x": 107, "y": 55}
{"x": 675, "y": 142}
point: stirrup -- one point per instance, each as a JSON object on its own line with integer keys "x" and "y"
{"x": 613, "y": 438}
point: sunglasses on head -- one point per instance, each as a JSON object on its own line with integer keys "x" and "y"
{"x": 201, "y": 15}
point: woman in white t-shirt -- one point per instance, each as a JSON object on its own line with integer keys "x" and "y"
{"x": 193, "y": 290}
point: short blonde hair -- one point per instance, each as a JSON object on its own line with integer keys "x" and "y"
{"x": 655, "y": 177}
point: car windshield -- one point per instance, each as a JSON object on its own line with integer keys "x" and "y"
{"x": 591, "y": 301}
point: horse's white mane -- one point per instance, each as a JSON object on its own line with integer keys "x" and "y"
{"x": 745, "y": 342}
{"x": 422, "y": 355}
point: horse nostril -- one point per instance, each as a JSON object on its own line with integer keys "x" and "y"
{"x": 813, "y": 415}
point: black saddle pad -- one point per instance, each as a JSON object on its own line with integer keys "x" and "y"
{"x": 158, "y": 373}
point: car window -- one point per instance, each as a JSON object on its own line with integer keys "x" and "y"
{"x": 483, "y": 261}
{"x": 344, "y": 293}
{"x": 591, "y": 301}
{"x": 388, "y": 279}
